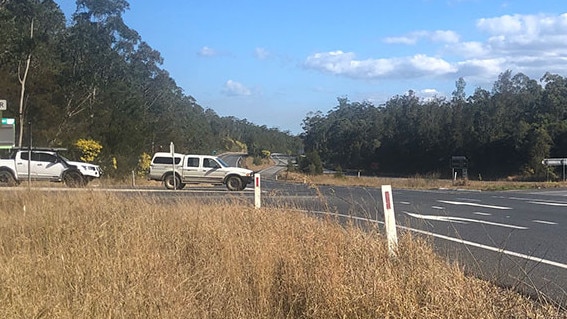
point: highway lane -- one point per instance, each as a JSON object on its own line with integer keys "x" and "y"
{"x": 517, "y": 239}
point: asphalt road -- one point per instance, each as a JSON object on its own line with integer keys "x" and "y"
{"x": 516, "y": 239}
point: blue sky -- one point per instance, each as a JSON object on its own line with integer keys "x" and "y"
{"x": 273, "y": 62}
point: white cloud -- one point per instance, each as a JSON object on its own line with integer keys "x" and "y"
{"x": 401, "y": 40}
{"x": 233, "y": 88}
{"x": 444, "y": 36}
{"x": 206, "y": 51}
{"x": 531, "y": 44}
{"x": 526, "y": 31}
{"x": 470, "y": 49}
{"x": 345, "y": 63}
{"x": 429, "y": 92}
{"x": 261, "y": 53}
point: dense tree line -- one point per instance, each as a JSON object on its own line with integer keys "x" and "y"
{"x": 95, "y": 78}
{"x": 503, "y": 132}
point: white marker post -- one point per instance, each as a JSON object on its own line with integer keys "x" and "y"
{"x": 172, "y": 150}
{"x": 257, "y": 191}
{"x": 390, "y": 220}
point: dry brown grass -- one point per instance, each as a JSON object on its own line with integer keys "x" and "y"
{"x": 96, "y": 255}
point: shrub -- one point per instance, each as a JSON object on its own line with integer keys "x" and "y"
{"x": 90, "y": 149}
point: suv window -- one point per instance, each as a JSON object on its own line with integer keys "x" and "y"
{"x": 45, "y": 157}
{"x": 34, "y": 156}
{"x": 192, "y": 162}
{"x": 166, "y": 160}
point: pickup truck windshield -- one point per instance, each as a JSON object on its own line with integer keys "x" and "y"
{"x": 223, "y": 163}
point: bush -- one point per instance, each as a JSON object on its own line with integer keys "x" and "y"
{"x": 311, "y": 163}
{"x": 89, "y": 149}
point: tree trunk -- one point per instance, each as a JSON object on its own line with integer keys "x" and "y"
{"x": 23, "y": 78}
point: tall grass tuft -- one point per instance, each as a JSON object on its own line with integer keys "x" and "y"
{"x": 96, "y": 255}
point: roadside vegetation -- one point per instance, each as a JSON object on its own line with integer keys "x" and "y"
{"x": 95, "y": 255}
{"x": 415, "y": 182}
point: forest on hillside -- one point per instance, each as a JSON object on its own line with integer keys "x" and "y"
{"x": 95, "y": 79}
{"x": 504, "y": 132}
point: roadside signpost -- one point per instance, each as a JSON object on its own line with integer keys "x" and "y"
{"x": 7, "y": 133}
{"x": 556, "y": 162}
{"x": 172, "y": 150}
{"x": 390, "y": 220}
{"x": 257, "y": 191}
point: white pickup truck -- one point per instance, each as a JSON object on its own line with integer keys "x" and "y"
{"x": 180, "y": 169}
{"x": 45, "y": 164}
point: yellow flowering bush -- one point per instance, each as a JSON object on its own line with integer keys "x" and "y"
{"x": 89, "y": 149}
{"x": 144, "y": 164}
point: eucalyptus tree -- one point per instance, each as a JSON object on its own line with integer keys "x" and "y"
{"x": 553, "y": 112}
{"x": 31, "y": 30}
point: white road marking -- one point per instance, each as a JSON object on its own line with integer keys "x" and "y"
{"x": 482, "y": 214}
{"x": 438, "y": 207}
{"x": 452, "y": 219}
{"x": 544, "y": 222}
{"x": 549, "y": 203}
{"x": 470, "y": 199}
{"x": 405, "y": 203}
{"x": 473, "y": 204}
{"x": 456, "y": 240}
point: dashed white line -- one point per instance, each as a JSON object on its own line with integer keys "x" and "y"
{"x": 544, "y": 222}
{"x": 549, "y": 203}
{"x": 473, "y": 204}
{"x": 482, "y": 214}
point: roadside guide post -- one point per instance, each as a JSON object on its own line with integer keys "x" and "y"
{"x": 172, "y": 150}
{"x": 257, "y": 191}
{"x": 390, "y": 220}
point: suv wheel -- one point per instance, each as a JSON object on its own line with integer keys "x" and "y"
{"x": 7, "y": 179}
{"x": 172, "y": 181}
{"x": 73, "y": 178}
{"x": 234, "y": 183}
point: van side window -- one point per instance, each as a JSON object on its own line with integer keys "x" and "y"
{"x": 166, "y": 160}
{"x": 192, "y": 162}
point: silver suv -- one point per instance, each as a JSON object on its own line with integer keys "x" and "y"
{"x": 176, "y": 170}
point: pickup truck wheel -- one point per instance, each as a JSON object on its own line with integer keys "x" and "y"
{"x": 172, "y": 181}
{"x": 73, "y": 179}
{"x": 234, "y": 183}
{"x": 7, "y": 179}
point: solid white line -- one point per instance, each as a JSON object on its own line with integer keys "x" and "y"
{"x": 456, "y": 240}
{"x": 544, "y": 222}
{"x": 490, "y": 248}
{"x": 461, "y": 220}
{"x": 473, "y": 204}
